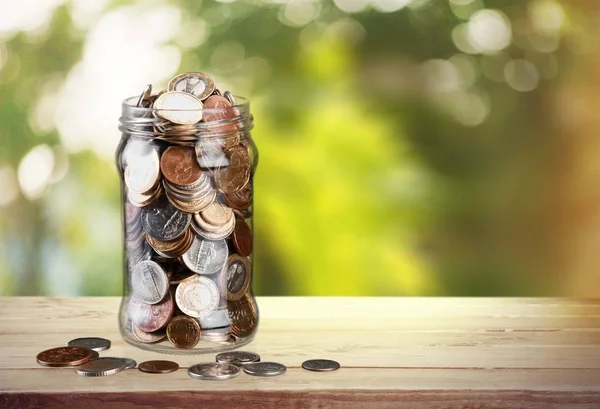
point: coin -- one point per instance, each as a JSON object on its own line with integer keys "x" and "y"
{"x": 127, "y": 362}
{"x": 150, "y": 318}
{"x": 149, "y": 282}
{"x": 178, "y": 107}
{"x": 218, "y": 108}
{"x": 198, "y": 84}
{"x": 320, "y": 365}
{"x": 142, "y": 171}
{"x": 217, "y": 319}
{"x": 93, "y": 343}
{"x": 158, "y": 366}
{"x": 183, "y": 332}
{"x": 206, "y": 256}
{"x": 213, "y": 371}
{"x": 238, "y": 270}
{"x": 241, "y": 199}
{"x": 264, "y": 368}
{"x": 243, "y": 316}
{"x": 237, "y": 357}
{"x": 180, "y": 166}
{"x": 235, "y": 176}
{"x": 101, "y": 367}
{"x": 217, "y": 214}
{"x": 144, "y": 96}
{"x": 64, "y": 356}
{"x": 197, "y": 296}
{"x": 242, "y": 238}
{"x": 229, "y": 97}
{"x": 148, "y": 337}
{"x": 165, "y": 222}
{"x": 174, "y": 248}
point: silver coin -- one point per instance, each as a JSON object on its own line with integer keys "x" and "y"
{"x": 178, "y": 107}
{"x": 213, "y": 371}
{"x": 128, "y": 362}
{"x": 229, "y": 97}
{"x": 144, "y": 96}
{"x": 197, "y": 296}
{"x": 264, "y": 368}
{"x": 149, "y": 282}
{"x": 237, "y": 357}
{"x": 142, "y": 173}
{"x": 93, "y": 343}
{"x": 198, "y": 84}
{"x": 320, "y": 365}
{"x": 165, "y": 222}
{"x": 101, "y": 367}
{"x": 217, "y": 319}
{"x": 206, "y": 256}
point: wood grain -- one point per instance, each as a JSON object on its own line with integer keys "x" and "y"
{"x": 395, "y": 352}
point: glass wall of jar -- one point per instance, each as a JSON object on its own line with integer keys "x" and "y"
{"x": 187, "y": 194}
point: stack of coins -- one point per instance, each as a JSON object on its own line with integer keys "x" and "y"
{"x": 188, "y": 198}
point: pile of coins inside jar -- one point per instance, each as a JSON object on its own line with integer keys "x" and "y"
{"x": 187, "y": 165}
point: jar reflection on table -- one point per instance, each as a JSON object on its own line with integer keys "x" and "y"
{"x": 187, "y": 197}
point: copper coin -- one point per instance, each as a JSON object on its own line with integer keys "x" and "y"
{"x": 184, "y": 332}
{"x": 242, "y": 238}
{"x": 148, "y": 337}
{"x": 239, "y": 273}
{"x": 218, "y": 108}
{"x": 158, "y": 366}
{"x": 241, "y": 199}
{"x": 179, "y": 165}
{"x": 243, "y": 316}
{"x": 150, "y": 318}
{"x": 234, "y": 177}
{"x": 64, "y": 356}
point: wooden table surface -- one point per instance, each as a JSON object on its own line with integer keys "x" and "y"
{"x": 434, "y": 353}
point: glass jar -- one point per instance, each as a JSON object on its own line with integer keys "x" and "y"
{"x": 187, "y": 197}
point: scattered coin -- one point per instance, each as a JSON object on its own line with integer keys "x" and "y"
{"x": 127, "y": 362}
{"x": 101, "y": 367}
{"x": 264, "y": 368}
{"x": 93, "y": 343}
{"x": 213, "y": 371}
{"x": 64, "y": 356}
{"x": 320, "y": 365}
{"x": 184, "y": 332}
{"x": 158, "y": 366}
{"x": 237, "y": 357}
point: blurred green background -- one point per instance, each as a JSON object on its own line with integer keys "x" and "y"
{"x": 406, "y": 147}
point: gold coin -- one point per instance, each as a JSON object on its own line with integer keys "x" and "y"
{"x": 197, "y": 84}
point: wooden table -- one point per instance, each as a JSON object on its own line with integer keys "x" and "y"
{"x": 434, "y": 353}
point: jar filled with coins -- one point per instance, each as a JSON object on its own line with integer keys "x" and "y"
{"x": 186, "y": 161}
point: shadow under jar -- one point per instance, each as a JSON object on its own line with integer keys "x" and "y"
{"x": 187, "y": 197}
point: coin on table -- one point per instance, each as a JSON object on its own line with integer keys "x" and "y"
{"x": 242, "y": 238}
{"x": 158, "y": 366}
{"x": 237, "y": 357}
{"x": 198, "y": 84}
{"x": 165, "y": 222}
{"x": 184, "y": 332}
{"x": 101, "y": 367}
{"x": 206, "y": 256}
{"x": 264, "y": 368}
{"x": 149, "y": 282}
{"x": 239, "y": 274}
{"x": 320, "y": 365}
{"x": 127, "y": 362}
{"x": 243, "y": 316}
{"x": 64, "y": 356}
{"x": 178, "y": 107}
{"x": 93, "y": 343}
{"x": 197, "y": 296}
{"x": 180, "y": 166}
{"x": 150, "y": 317}
{"x": 213, "y": 371}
